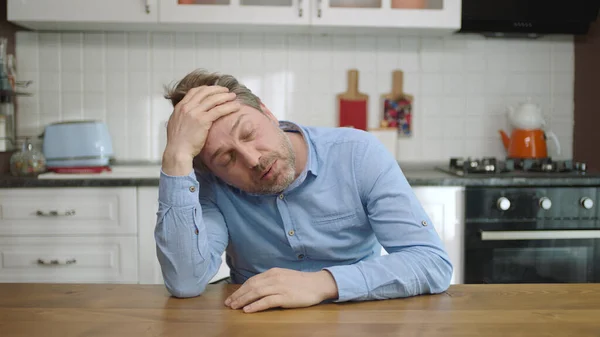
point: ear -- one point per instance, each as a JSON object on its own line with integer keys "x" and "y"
{"x": 269, "y": 114}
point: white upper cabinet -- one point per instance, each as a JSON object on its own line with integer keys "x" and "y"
{"x": 75, "y": 14}
{"x": 441, "y": 15}
{"x": 353, "y": 16}
{"x": 243, "y": 12}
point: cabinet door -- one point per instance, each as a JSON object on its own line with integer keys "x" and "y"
{"x": 445, "y": 207}
{"x": 246, "y": 12}
{"x": 416, "y": 14}
{"x": 128, "y": 11}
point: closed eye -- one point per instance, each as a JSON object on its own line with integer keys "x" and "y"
{"x": 249, "y": 135}
{"x": 227, "y": 158}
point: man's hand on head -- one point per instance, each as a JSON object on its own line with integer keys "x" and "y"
{"x": 189, "y": 125}
{"x": 284, "y": 288}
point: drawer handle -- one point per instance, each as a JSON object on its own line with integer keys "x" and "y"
{"x": 55, "y": 262}
{"x": 70, "y": 212}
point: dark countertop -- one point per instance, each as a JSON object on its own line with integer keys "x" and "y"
{"x": 428, "y": 175}
{"x": 416, "y": 174}
{"x": 13, "y": 182}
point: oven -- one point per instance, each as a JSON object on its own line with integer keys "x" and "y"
{"x": 532, "y": 234}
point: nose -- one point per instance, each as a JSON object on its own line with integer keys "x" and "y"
{"x": 250, "y": 156}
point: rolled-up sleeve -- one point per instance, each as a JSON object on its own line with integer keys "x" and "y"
{"x": 417, "y": 262}
{"x": 190, "y": 233}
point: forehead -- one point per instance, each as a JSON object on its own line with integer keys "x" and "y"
{"x": 221, "y": 128}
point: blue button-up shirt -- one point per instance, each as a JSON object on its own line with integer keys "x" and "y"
{"x": 350, "y": 200}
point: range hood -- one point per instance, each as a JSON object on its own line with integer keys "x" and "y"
{"x": 508, "y": 18}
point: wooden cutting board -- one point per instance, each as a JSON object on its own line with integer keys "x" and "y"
{"x": 352, "y": 104}
{"x": 398, "y": 106}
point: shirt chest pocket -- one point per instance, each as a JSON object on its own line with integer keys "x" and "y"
{"x": 336, "y": 221}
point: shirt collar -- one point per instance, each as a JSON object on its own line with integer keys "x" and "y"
{"x": 312, "y": 164}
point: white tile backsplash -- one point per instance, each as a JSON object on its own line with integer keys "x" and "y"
{"x": 461, "y": 84}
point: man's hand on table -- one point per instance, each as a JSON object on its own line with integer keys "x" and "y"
{"x": 284, "y": 288}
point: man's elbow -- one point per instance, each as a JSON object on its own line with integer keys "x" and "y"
{"x": 184, "y": 290}
{"x": 444, "y": 270}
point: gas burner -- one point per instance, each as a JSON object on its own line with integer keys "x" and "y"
{"x": 469, "y": 165}
{"x": 546, "y": 165}
{"x": 512, "y": 166}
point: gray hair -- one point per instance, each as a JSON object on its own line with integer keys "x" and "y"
{"x": 200, "y": 77}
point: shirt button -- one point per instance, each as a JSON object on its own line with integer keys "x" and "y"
{"x": 424, "y": 223}
{"x": 196, "y": 231}
{"x": 301, "y": 256}
{"x": 192, "y": 188}
{"x": 281, "y": 196}
{"x": 291, "y": 232}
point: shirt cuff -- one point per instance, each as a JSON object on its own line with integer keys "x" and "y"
{"x": 350, "y": 282}
{"x": 178, "y": 191}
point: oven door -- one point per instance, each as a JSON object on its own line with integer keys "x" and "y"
{"x": 505, "y": 253}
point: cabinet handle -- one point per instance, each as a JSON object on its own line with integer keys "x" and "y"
{"x": 300, "y": 8}
{"x": 70, "y": 212}
{"x": 540, "y": 235}
{"x": 55, "y": 262}
{"x": 319, "y": 8}
{"x": 147, "y": 6}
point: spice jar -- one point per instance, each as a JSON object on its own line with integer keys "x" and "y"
{"x": 28, "y": 162}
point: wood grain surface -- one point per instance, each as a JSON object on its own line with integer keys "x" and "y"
{"x": 63, "y": 310}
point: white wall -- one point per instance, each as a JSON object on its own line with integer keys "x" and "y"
{"x": 461, "y": 84}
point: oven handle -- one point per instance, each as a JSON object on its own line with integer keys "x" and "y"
{"x": 539, "y": 235}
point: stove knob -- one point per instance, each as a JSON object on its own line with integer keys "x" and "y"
{"x": 586, "y": 203}
{"x": 503, "y": 204}
{"x": 545, "y": 203}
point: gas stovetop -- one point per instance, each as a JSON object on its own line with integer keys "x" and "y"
{"x": 491, "y": 166}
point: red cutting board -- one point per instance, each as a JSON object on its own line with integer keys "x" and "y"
{"x": 352, "y": 104}
{"x": 398, "y": 107}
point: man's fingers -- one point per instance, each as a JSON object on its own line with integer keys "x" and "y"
{"x": 205, "y": 92}
{"x": 253, "y": 295}
{"x": 216, "y": 100}
{"x": 224, "y": 109}
{"x": 236, "y": 294}
{"x": 186, "y": 98}
{"x": 198, "y": 94}
{"x": 265, "y": 303}
{"x": 256, "y": 281}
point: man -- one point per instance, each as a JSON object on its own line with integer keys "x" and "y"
{"x": 301, "y": 211}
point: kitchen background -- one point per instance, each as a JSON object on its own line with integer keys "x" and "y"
{"x": 461, "y": 84}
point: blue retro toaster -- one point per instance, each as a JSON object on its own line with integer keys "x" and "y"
{"x": 84, "y": 145}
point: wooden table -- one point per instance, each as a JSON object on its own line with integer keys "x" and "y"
{"x": 49, "y": 310}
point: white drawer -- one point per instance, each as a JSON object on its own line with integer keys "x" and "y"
{"x": 68, "y": 211}
{"x": 68, "y": 259}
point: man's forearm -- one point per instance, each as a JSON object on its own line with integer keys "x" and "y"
{"x": 187, "y": 260}
{"x": 176, "y": 163}
{"x": 409, "y": 272}
{"x": 327, "y": 285}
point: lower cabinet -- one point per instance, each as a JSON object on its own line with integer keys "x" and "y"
{"x": 445, "y": 207}
{"x": 68, "y": 235}
{"x": 106, "y": 235}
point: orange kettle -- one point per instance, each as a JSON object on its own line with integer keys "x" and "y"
{"x": 528, "y": 138}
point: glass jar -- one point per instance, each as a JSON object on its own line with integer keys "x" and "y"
{"x": 28, "y": 162}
